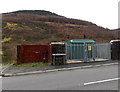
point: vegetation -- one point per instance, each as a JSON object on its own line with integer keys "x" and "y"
{"x": 23, "y": 27}
{"x": 38, "y": 12}
{"x": 33, "y": 64}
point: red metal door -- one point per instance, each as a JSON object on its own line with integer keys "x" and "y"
{"x": 33, "y": 53}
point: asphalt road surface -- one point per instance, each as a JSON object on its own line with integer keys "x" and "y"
{"x": 97, "y": 78}
{"x": 0, "y": 83}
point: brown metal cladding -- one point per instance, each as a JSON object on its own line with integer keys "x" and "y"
{"x": 33, "y": 53}
{"x": 115, "y": 50}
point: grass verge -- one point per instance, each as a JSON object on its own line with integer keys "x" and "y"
{"x": 32, "y": 64}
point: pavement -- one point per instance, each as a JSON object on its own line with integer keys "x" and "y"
{"x": 96, "y": 78}
{"x": 18, "y": 71}
{"x": 2, "y": 68}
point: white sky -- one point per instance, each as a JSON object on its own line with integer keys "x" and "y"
{"x": 101, "y": 12}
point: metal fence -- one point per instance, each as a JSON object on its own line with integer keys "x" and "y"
{"x": 87, "y": 52}
{"x": 103, "y": 50}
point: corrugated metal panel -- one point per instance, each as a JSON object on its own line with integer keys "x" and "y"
{"x": 75, "y": 51}
{"x": 79, "y": 51}
{"x": 33, "y": 53}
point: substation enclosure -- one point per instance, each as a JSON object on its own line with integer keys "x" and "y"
{"x": 58, "y": 53}
{"x": 79, "y": 50}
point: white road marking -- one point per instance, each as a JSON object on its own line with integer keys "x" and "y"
{"x": 0, "y": 77}
{"x": 101, "y": 81}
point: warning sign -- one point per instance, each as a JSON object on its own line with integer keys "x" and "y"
{"x": 89, "y": 47}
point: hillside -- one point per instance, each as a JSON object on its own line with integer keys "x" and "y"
{"x": 30, "y": 28}
{"x": 38, "y": 12}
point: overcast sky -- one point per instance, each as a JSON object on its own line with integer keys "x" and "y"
{"x": 101, "y": 12}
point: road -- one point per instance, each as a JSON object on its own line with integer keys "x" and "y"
{"x": 0, "y": 83}
{"x": 97, "y": 78}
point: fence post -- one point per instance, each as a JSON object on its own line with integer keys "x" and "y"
{"x": 85, "y": 52}
{"x": 66, "y": 52}
{"x": 93, "y": 51}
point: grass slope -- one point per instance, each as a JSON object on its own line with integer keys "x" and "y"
{"x": 21, "y": 29}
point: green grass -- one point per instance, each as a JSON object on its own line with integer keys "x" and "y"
{"x": 32, "y": 64}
